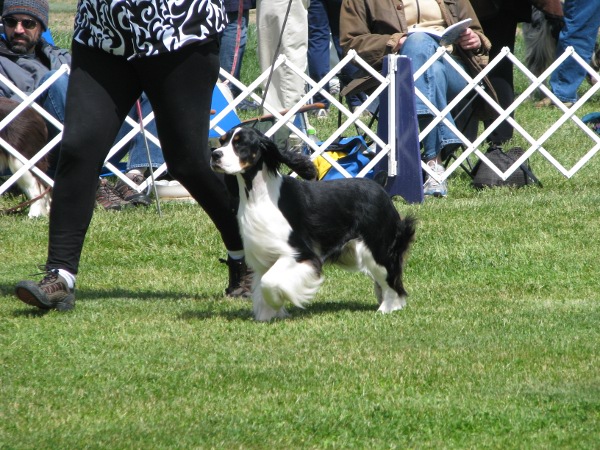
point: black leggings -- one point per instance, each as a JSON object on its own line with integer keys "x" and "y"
{"x": 102, "y": 89}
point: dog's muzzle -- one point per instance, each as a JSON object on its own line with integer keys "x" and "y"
{"x": 215, "y": 159}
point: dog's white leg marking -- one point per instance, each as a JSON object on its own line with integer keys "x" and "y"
{"x": 263, "y": 312}
{"x": 289, "y": 280}
{"x": 391, "y": 301}
{"x": 32, "y": 188}
{"x": 378, "y": 293}
{"x": 388, "y": 298}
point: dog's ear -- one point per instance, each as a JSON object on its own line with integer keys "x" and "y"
{"x": 299, "y": 163}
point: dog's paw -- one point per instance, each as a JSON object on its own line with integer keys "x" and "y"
{"x": 263, "y": 312}
{"x": 392, "y": 303}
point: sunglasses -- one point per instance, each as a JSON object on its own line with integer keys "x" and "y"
{"x": 28, "y": 24}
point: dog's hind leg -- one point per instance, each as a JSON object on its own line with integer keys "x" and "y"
{"x": 389, "y": 300}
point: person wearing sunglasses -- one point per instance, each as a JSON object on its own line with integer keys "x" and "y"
{"x": 26, "y": 58}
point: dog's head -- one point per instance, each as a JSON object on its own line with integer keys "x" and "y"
{"x": 245, "y": 149}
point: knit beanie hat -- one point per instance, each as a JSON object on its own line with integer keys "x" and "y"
{"x": 38, "y": 9}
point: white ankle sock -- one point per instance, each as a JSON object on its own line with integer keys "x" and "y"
{"x": 237, "y": 255}
{"x": 68, "y": 276}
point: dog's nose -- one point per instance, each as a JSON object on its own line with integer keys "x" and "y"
{"x": 217, "y": 154}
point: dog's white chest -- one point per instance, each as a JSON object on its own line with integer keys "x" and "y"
{"x": 265, "y": 231}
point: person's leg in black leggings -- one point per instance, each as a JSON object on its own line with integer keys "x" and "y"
{"x": 179, "y": 86}
{"x": 102, "y": 89}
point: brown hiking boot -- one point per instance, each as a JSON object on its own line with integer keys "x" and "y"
{"x": 50, "y": 293}
{"x": 108, "y": 198}
{"x": 547, "y": 102}
{"x": 131, "y": 195}
{"x": 240, "y": 278}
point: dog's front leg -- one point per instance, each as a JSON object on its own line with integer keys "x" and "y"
{"x": 263, "y": 312}
{"x": 290, "y": 280}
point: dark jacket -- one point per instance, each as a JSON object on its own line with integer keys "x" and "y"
{"x": 26, "y": 71}
{"x": 373, "y": 29}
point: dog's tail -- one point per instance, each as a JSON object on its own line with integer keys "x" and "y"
{"x": 405, "y": 235}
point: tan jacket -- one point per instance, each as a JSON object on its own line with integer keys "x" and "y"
{"x": 374, "y": 27}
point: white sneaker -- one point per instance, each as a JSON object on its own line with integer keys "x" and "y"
{"x": 322, "y": 114}
{"x": 432, "y": 187}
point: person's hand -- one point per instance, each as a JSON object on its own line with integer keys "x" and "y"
{"x": 469, "y": 40}
{"x": 400, "y": 44}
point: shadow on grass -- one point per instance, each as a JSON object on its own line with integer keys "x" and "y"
{"x": 204, "y": 311}
{"x": 315, "y": 309}
{"x": 88, "y": 296}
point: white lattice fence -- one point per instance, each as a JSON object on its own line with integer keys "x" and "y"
{"x": 475, "y": 147}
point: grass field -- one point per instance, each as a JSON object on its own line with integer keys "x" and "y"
{"x": 499, "y": 346}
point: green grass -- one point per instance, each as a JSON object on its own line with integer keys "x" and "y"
{"x": 497, "y": 348}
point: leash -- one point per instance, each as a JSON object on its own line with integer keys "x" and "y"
{"x": 21, "y": 206}
{"x": 238, "y": 36}
{"x": 138, "y": 105}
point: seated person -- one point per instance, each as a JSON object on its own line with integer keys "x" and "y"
{"x": 28, "y": 60}
{"x": 375, "y": 29}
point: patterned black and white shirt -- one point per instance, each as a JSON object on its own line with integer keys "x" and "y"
{"x": 134, "y": 28}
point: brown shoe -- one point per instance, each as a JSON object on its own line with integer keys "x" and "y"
{"x": 240, "y": 278}
{"x": 50, "y": 293}
{"x": 108, "y": 198}
{"x": 546, "y": 102}
{"x": 131, "y": 195}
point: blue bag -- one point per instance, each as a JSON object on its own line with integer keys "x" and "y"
{"x": 348, "y": 153}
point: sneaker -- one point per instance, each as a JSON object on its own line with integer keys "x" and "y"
{"x": 248, "y": 105}
{"x": 108, "y": 198}
{"x": 50, "y": 293}
{"x": 129, "y": 194}
{"x": 322, "y": 114}
{"x": 547, "y": 102}
{"x": 432, "y": 187}
{"x": 240, "y": 278}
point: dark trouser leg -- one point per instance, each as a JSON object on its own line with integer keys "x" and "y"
{"x": 102, "y": 89}
{"x": 179, "y": 86}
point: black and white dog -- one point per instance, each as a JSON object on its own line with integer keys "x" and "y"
{"x": 291, "y": 227}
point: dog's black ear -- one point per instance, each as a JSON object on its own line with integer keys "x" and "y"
{"x": 268, "y": 146}
{"x": 299, "y": 163}
{"x": 274, "y": 157}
